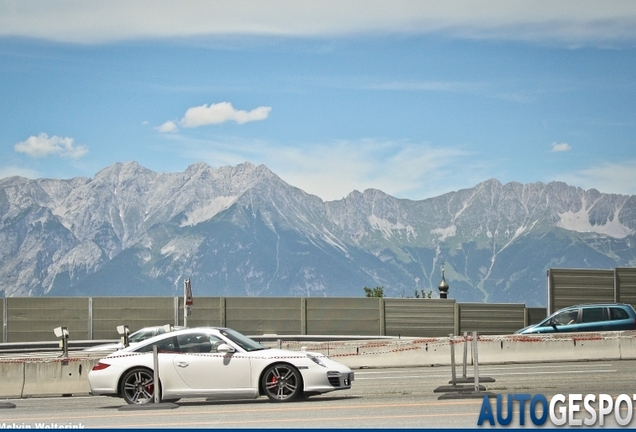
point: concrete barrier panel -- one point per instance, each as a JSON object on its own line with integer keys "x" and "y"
{"x": 628, "y": 345}
{"x": 57, "y": 377}
{"x": 491, "y": 349}
{"x": 12, "y": 379}
{"x": 415, "y": 352}
{"x": 404, "y": 352}
{"x": 548, "y": 348}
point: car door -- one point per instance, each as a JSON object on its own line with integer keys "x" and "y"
{"x": 202, "y": 368}
{"x": 167, "y": 349}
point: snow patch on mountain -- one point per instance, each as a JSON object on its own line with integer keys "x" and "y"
{"x": 387, "y": 227}
{"x": 333, "y": 241}
{"x": 444, "y": 233}
{"x": 208, "y": 211}
{"x": 182, "y": 248}
{"x": 580, "y": 222}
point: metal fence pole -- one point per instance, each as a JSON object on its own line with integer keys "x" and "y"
{"x": 476, "y": 361}
{"x": 176, "y": 311}
{"x": 465, "y": 355}
{"x": 5, "y": 317}
{"x": 90, "y": 318}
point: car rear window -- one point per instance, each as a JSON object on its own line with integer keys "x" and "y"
{"x": 618, "y": 314}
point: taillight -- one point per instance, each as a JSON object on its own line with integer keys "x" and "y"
{"x": 100, "y": 366}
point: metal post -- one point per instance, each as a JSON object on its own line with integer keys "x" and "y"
{"x": 303, "y": 316}
{"x": 155, "y": 355}
{"x": 382, "y": 318}
{"x": 90, "y": 318}
{"x": 452, "y": 348}
{"x": 185, "y": 307}
{"x": 5, "y": 316}
{"x": 465, "y": 355}
{"x": 476, "y": 361}
{"x": 187, "y": 301}
{"x": 176, "y": 311}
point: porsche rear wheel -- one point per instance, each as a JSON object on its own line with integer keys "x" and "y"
{"x": 138, "y": 386}
{"x": 282, "y": 383}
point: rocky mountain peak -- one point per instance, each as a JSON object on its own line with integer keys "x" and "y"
{"x": 241, "y": 230}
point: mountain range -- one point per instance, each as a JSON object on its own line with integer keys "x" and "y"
{"x": 243, "y": 231}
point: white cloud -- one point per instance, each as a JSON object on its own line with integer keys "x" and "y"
{"x": 220, "y": 113}
{"x": 618, "y": 178}
{"x": 560, "y": 147}
{"x": 332, "y": 170}
{"x": 213, "y": 114}
{"x": 43, "y": 146}
{"x": 80, "y": 21}
{"x": 168, "y": 126}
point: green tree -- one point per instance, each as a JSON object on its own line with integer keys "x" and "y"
{"x": 375, "y": 292}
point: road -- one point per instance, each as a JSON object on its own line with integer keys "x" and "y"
{"x": 380, "y": 398}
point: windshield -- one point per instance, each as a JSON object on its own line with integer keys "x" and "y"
{"x": 143, "y": 334}
{"x": 241, "y": 340}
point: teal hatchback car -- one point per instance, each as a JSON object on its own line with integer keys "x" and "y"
{"x": 586, "y": 318}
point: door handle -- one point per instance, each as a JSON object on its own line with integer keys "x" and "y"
{"x": 183, "y": 364}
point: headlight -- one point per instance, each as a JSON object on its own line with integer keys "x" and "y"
{"x": 316, "y": 360}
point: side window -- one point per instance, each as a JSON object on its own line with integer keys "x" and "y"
{"x": 618, "y": 314}
{"x": 595, "y": 314}
{"x": 165, "y": 345}
{"x": 567, "y": 317}
{"x": 198, "y": 343}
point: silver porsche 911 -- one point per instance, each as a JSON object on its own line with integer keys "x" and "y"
{"x": 215, "y": 362}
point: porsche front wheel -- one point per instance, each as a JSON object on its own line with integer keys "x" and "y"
{"x": 282, "y": 383}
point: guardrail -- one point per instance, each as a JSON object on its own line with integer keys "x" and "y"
{"x": 49, "y": 346}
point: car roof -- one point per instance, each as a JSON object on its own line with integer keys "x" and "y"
{"x": 158, "y": 327}
{"x": 183, "y": 330}
{"x": 598, "y": 305}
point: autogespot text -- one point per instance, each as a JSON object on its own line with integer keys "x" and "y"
{"x": 561, "y": 410}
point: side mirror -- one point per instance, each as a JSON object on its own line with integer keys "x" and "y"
{"x": 553, "y": 322}
{"x": 225, "y": 348}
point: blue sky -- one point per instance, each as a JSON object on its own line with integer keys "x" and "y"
{"x": 415, "y": 98}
